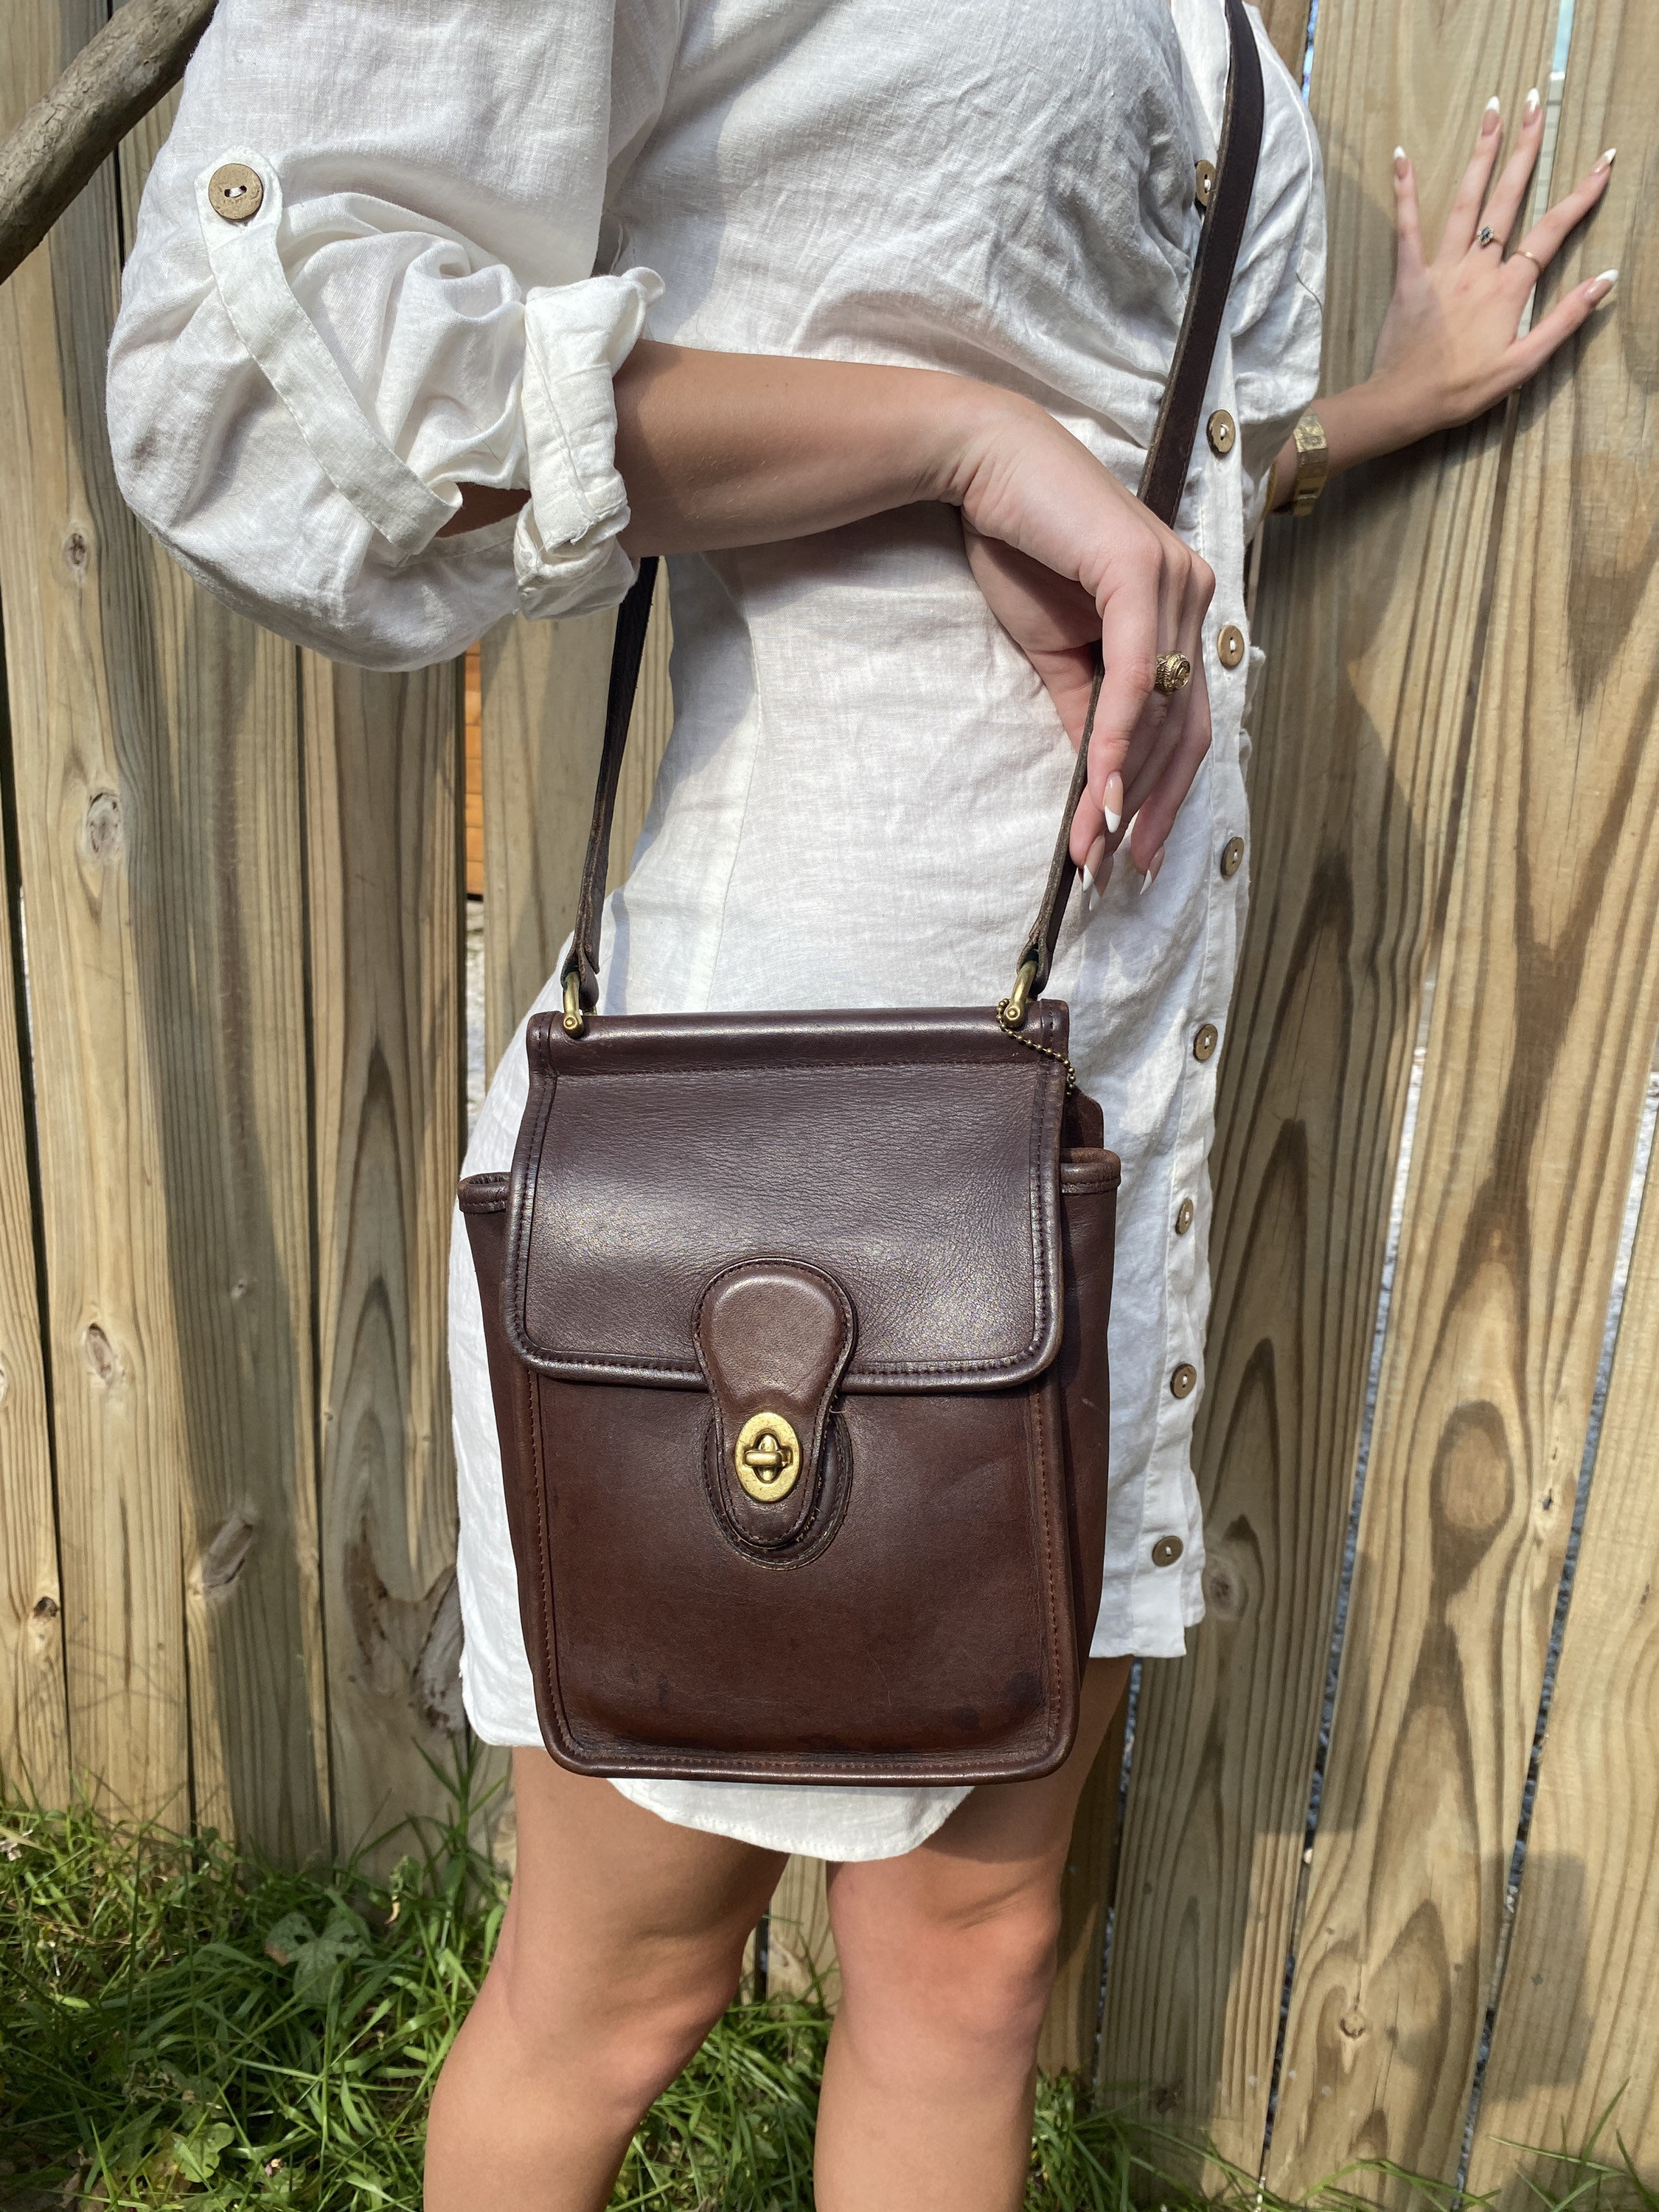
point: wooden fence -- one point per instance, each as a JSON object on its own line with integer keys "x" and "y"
{"x": 231, "y": 1112}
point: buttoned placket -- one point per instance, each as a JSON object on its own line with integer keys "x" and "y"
{"x": 1164, "y": 1544}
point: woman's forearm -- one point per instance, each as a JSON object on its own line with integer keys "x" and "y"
{"x": 724, "y": 449}
{"x": 1376, "y": 416}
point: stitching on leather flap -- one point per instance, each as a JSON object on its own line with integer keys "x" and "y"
{"x": 557, "y": 1345}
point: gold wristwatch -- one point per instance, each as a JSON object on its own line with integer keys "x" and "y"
{"x": 1313, "y": 462}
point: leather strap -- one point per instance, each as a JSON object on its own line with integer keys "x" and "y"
{"x": 1169, "y": 457}
{"x": 1163, "y": 481}
{"x": 633, "y": 619}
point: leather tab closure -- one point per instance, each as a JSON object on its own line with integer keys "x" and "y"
{"x": 773, "y": 1339}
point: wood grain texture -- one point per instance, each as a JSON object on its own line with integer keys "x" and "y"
{"x": 1543, "y": 1029}
{"x": 473, "y": 717}
{"x": 86, "y": 763}
{"x": 33, "y": 1708}
{"x": 1370, "y": 617}
{"x": 544, "y": 720}
{"x": 221, "y": 961}
{"x": 1577, "y": 2025}
{"x": 801, "y": 1948}
{"x": 1578, "y": 2015}
{"x": 1287, "y": 27}
{"x": 383, "y": 785}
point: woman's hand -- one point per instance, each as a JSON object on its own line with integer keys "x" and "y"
{"x": 1449, "y": 340}
{"x": 1069, "y": 562}
{"x": 743, "y": 449}
{"x": 1450, "y": 346}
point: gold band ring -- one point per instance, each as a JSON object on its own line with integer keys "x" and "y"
{"x": 1175, "y": 672}
{"x": 1521, "y": 252}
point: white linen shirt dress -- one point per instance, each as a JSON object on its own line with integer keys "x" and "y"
{"x": 467, "y": 212}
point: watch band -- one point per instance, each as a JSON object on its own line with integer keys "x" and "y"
{"x": 1313, "y": 462}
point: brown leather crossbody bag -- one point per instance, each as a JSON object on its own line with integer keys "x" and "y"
{"x": 796, "y": 1327}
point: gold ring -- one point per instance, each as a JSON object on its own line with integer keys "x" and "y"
{"x": 1521, "y": 251}
{"x": 1175, "y": 672}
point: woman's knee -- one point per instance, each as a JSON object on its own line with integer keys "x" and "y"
{"x": 627, "y": 2033}
{"x": 978, "y": 1968}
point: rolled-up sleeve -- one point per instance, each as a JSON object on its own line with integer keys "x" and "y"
{"x": 364, "y": 275}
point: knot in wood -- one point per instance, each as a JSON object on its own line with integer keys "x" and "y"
{"x": 99, "y": 1355}
{"x": 44, "y": 1609}
{"x": 76, "y": 551}
{"x": 1224, "y": 1592}
{"x": 102, "y": 827}
{"x": 1353, "y": 2024}
{"x": 226, "y": 1555}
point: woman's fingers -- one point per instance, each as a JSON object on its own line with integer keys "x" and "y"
{"x": 1459, "y": 234}
{"x": 1150, "y": 760}
{"x": 1549, "y": 233}
{"x": 1179, "y": 734}
{"x": 1168, "y": 794}
{"x": 1408, "y": 222}
{"x": 1129, "y": 630}
{"x": 1528, "y": 354}
{"x": 1507, "y": 194}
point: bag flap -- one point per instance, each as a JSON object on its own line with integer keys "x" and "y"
{"x": 912, "y": 1156}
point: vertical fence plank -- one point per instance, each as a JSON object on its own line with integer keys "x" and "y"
{"x": 800, "y": 1949}
{"x": 84, "y": 765}
{"x": 1544, "y": 1021}
{"x": 544, "y": 718}
{"x": 222, "y": 966}
{"x": 1578, "y": 2027}
{"x": 34, "y": 1712}
{"x": 1579, "y": 2018}
{"x": 1287, "y": 27}
{"x": 1370, "y": 617}
{"x": 383, "y": 788}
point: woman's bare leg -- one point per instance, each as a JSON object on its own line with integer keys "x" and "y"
{"x": 947, "y": 1957}
{"x": 622, "y": 1945}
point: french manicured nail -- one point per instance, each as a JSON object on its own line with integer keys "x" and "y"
{"x": 1606, "y": 161}
{"x": 1601, "y": 285}
{"x": 1091, "y": 866}
{"x": 1489, "y": 120}
{"x": 1111, "y": 801}
{"x": 1400, "y": 164}
{"x": 1150, "y": 876}
{"x": 1533, "y": 103}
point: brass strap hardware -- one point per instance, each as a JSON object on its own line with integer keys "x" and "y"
{"x": 1010, "y": 1012}
{"x": 575, "y": 1020}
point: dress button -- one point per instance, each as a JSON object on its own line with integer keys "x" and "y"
{"x": 1203, "y": 182}
{"x": 1183, "y": 1217}
{"x": 1222, "y": 431}
{"x": 1232, "y": 853}
{"x": 1231, "y": 645}
{"x": 1182, "y": 1381}
{"x": 235, "y": 191}
{"x": 1205, "y": 1042}
{"x": 1167, "y": 1551}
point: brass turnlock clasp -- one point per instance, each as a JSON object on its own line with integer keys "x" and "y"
{"x": 766, "y": 1455}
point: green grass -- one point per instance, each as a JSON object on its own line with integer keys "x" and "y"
{"x": 181, "y": 2024}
